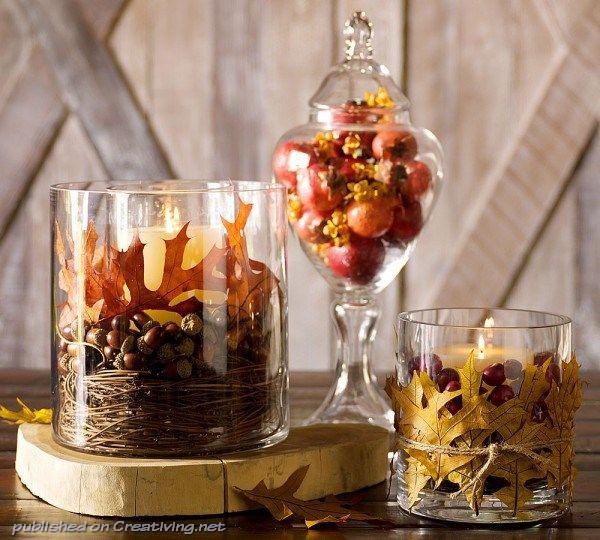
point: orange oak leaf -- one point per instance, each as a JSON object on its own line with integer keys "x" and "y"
{"x": 175, "y": 280}
{"x": 102, "y": 282}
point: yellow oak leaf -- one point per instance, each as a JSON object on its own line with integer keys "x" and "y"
{"x": 470, "y": 378}
{"x": 562, "y": 402}
{"x": 517, "y": 472}
{"x": 416, "y": 477}
{"x": 534, "y": 384}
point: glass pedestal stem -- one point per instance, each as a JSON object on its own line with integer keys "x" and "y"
{"x": 355, "y": 395}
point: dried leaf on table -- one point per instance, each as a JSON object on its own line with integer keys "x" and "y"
{"x": 282, "y": 503}
{"x": 26, "y": 415}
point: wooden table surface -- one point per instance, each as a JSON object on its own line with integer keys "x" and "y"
{"x": 17, "y": 505}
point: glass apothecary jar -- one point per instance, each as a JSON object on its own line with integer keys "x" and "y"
{"x": 361, "y": 179}
{"x": 485, "y": 402}
{"x": 362, "y": 182}
{"x": 169, "y": 317}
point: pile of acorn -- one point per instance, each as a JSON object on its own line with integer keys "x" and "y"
{"x": 498, "y": 380}
{"x": 142, "y": 344}
{"x": 354, "y": 192}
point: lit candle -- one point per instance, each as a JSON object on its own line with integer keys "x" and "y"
{"x": 481, "y": 348}
{"x": 455, "y": 355}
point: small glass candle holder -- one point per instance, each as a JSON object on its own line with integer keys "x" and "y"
{"x": 169, "y": 317}
{"x": 484, "y": 402}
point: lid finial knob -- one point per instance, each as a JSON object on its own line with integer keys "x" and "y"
{"x": 358, "y": 33}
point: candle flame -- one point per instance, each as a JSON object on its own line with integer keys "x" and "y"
{"x": 489, "y": 322}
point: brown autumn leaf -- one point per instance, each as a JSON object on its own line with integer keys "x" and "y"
{"x": 282, "y": 503}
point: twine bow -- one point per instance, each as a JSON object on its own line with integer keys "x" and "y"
{"x": 492, "y": 451}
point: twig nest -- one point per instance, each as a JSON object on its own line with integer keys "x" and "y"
{"x": 64, "y": 364}
{"x": 185, "y": 347}
{"x": 128, "y": 344}
{"x": 191, "y": 324}
{"x": 184, "y": 368}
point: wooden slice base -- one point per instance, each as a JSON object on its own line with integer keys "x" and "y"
{"x": 342, "y": 458}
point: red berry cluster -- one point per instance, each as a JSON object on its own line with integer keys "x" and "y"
{"x": 498, "y": 380}
{"x": 353, "y": 192}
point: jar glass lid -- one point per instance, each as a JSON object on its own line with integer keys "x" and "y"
{"x": 359, "y": 81}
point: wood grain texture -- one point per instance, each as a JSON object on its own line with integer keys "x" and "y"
{"x": 547, "y": 282}
{"x": 523, "y": 182}
{"x": 587, "y": 267}
{"x": 93, "y": 88}
{"x": 100, "y": 15}
{"x": 28, "y": 121}
{"x": 18, "y": 505}
{"x": 166, "y": 55}
{"x": 341, "y": 458}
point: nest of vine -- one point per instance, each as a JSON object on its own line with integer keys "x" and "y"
{"x": 132, "y": 413}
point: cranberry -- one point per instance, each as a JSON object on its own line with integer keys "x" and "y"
{"x": 446, "y": 376}
{"x": 418, "y": 180}
{"x": 288, "y": 158}
{"x": 431, "y": 363}
{"x": 553, "y": 374}
{"x": 452, "y": 386}
{"x": 407, "y": 223}
{"x": 310, "y": 226}
{"x": 360, "y": 260}
{"x": 513, "y": 368}
{"x": 317, "y": 188}
{"x": 371, "y": 218}
{"x": 539, "y": 412}
{"x": 540, "y": 358}
{"x": 455, "y": 404}
{"x": 494, "y": 374}
{"x": 394, "y": 144}
{"x": 501, "y": 394}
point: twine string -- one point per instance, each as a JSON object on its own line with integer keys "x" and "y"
{"x": 493, "y": 451}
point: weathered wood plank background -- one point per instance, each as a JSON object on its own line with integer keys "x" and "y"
{"x": 204, "y": 88}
